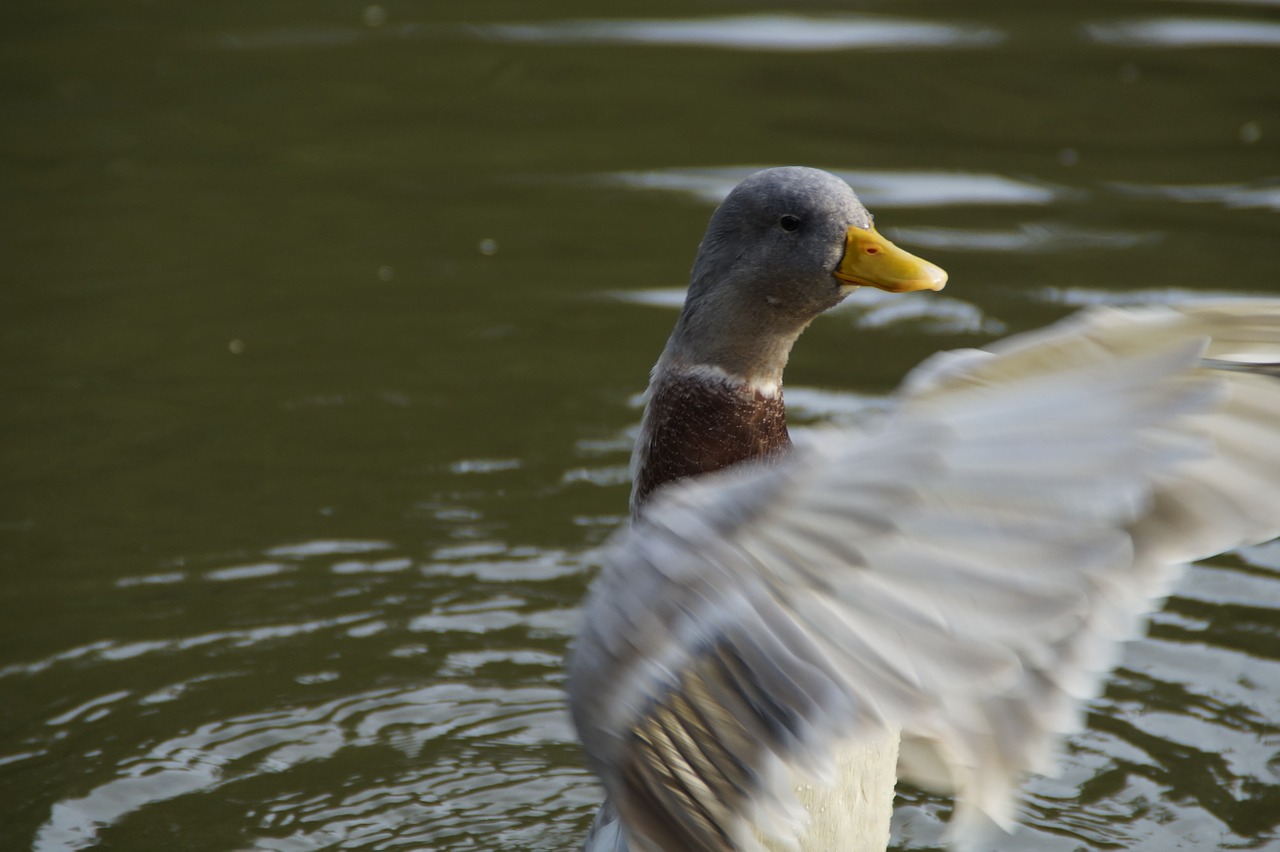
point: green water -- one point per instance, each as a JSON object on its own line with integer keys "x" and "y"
{"x": 318, "y": 366}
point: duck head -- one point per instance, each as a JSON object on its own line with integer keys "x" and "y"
{"x": 784, "y": 246}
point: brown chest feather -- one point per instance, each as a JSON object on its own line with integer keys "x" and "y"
{"x": 694, "y": 427}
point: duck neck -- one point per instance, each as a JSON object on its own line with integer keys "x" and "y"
{"x": 701, "y": 418}
{"x": 746, "y": 339}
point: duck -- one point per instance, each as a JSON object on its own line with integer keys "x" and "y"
{"x": 783, "y": 631}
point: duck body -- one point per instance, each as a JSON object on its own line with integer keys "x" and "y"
{"x": 715, "y": 400}
{"x": 775, "y": 621}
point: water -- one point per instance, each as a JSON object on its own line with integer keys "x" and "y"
{"x": 323, "y": 328}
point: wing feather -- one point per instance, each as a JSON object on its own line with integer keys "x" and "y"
{"x": 963, "y": 574}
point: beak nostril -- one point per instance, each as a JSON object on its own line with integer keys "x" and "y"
{"x": 872, "y": 250}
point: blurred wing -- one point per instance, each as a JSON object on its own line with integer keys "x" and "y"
{"x": 1218, "y": 503}
{"x": 963, "y": 574}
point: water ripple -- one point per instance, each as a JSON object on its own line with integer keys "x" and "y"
{"x": 869, "y": 308}
{"x": 934, "y": 315}
{"x": 1038, "y": 238}
{"x": 327, "y": 547}
{"x": 1260, "y": 195}
{"x": 877, "y": 189}
{"x": 1081, "y": 297}
{"x": 238, "y": 749}
{"x": 778, "y": 32}
{"x": 751, "y": 32}
{"x": 447, "y": 807}
{"x": 1188, "y": 32}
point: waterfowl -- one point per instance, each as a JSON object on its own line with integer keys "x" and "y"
{"x": 781, "y": 632}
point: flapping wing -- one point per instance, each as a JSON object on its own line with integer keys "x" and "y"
{"x": 1225, "y": 499}
{"x": 963, "y": 574}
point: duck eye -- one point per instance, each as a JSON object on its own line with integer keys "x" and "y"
{"x": 789, "y": 222}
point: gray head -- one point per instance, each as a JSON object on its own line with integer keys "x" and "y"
{"x": 784, "y": 246}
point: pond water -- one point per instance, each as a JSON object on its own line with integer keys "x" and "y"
{"x": 323, "y": 326}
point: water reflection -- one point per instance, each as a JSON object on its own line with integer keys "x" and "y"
{"x": 764, "y": 32}
{"x": 1080, "y": 297}
{"x": 935, "y": 314}
{"x": 752, "y": 32}
{"x": 1025, "y": 238}
{"x": 877, "y": 189}
{"x": 468, "y": 728}
{"x": 437, "y": 800}
{"x": 1262, "y": 194}
{"x": 1188, "y": 32}
{"x": 940, "y": 315}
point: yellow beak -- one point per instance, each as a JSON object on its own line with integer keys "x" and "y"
{"x": 871, "y": 260}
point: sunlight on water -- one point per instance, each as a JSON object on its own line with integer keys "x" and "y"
{"x": 751, "y": 32}
{"x": 937, "y": 315}
{"x": 459, "y": 741}
{"x": 1264, "y": 195}
{"x": 1028, "y": 237}
{"x": 779, "y": 32}
{"x": 1188, "y": 32}
{"x": 879, "y": 189}
{"x": 237, "y": 749}
{"x": 1080, "y": 297}
{"x": 869, "y": 308}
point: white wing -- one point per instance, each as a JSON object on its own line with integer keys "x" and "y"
{"x": 963, "y": 574}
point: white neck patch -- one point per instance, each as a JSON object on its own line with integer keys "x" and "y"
{"x": 770, "y": 389}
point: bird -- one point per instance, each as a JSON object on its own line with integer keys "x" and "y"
{"x": 783, "y": 631}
